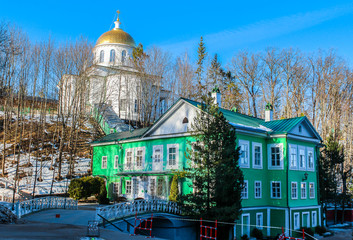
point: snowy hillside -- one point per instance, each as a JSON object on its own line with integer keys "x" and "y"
{"x": 37, "y": 161}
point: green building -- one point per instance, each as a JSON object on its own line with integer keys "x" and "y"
{"x": 278, "y": 158}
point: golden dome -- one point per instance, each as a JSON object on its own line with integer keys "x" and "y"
{"x": 116, "y": 35}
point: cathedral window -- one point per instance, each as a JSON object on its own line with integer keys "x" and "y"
{"x": 101, "y": 56}
{"x": 123, "y": 56}
{"x": 112, "y": 56}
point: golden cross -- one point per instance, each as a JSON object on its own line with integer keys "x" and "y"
{"x": 118, "y": 14}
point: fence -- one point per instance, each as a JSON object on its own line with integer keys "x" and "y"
{"x": 138, "y": 206}
{"x": 37, "y": 204}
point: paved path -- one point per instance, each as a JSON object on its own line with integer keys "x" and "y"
{"x": 72, "y": 224}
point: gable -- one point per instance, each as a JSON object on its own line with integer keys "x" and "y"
{"x": 304, "y": 129}
{"x": 172, "y": 121}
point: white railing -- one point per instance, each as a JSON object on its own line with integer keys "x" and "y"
{"x": 37, "y": 204}
{"x": 125, "y": 209}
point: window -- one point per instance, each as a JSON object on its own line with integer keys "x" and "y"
{"x": 296, "y": 221}
{"x": 303, "y": 190}
{"x": 104, "y": 162}
{"x": 300, "y": 129}
{"x": 160, "y": 183}
{"x": 310, "y": 159}
{"x": 116, "y": 162}
{"x": 311, "y": 190}
{"x": 244, "y": 192}
{"x": 257, "y": 155}
{"x": 152, "y": 186}
{"x": 137, "y": 106}
{"x": 112, "y": 56}
{"x": 136, "y": 186}
{"x": 276, "y": 190}
{"x": 123, "y": 104}
{"x": 314, "y": 218}
{"x": 275, "y": 156}
{"x": 101, "y": 56}
{"x": 173, "y": 156}
{"x": 116, "y": 188}
{"x": 111, "y": 130}
{"x": 259, "y": 220}
{"x": 128, "y": 159}
{"x": 293, "y": 156}
{"x": 258, "y": 189}
{"x": 123, "y": 56}
{"x": 244, "y": 153}
{"x": 140, "y": 157}
{"x": 302, "y": 162}
{"x": 128, "y": 187}
{"x": 157, "y": 155}
{"x": 294, "y": 190}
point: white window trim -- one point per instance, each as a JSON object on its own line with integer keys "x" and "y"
{"x": 117, "y": 183}
{"x": 307, "y": 219}
{"x": 176, "y": 156}
{"x": 290, "y": 147}
{"x": 128, "y": 194}
{"x": 291, "y": 187}
{"x": 244, "y": 142}
{"x": 242, "y": 222}
{"x": 132, "y": 159}
{"x": 104, "y": 159}
{"x": 301, "y": 148}
{"x": 295, "y": 226}
{"x": 255, "y": 189}
{"x": 116, "y": 163}
{"x": 143, "y": 149}
{"x": 311, "y": 197}
{"x": 257, "y": 144}
{"x": 280, "y": 190}
{"x": 261, "y": 222}
{"x": 155, "y": 147}
{"x": 310, "y": 150}
{"x": 280, "y": 145}
{"x": 246, "y": 182}
{"x": 301, "y": 194}
{"x": 312, "y": 218}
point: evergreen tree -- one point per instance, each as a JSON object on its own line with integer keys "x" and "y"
{"x": 201, "y": 54}
{"x": 213, "y": 159}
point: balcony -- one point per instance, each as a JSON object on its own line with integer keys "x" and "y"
{"x": 146, "y": 168}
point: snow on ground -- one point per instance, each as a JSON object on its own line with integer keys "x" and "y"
{"x": 82, "y": 165}
{"x": 28, "y": 168}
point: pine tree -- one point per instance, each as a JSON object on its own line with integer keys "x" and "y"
{"x": 201, "y": 54}
{"x": 213, "y": 159}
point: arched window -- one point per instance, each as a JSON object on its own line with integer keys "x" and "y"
{"x": 101, "y": 56}
{"x": 123, "y": 56}
{"x": 112, "y": 56}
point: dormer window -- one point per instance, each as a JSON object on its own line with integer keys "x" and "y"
{"x": 123, "y": 56}
{"x": 112, "y": 56}
{"x": 300, "y": 129}
{"x": 101, "y": 56}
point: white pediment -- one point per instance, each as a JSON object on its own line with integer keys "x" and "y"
{"x": 172, "y": 121}
{"x": 304, "y": 129}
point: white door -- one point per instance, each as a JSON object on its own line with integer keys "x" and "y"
{"x": 135, "y": 187}
{"x": 158, "y": 158}
{"x": 142, "y": 188}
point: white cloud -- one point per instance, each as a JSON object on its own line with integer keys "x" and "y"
{"x": 261, "y": 30}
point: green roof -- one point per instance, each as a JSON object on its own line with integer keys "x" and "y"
{"x": 119, "y": 136}
{"x": 283, "y": 125}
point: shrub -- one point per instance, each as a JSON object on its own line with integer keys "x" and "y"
{"x": 174, "y": 189}
{"x": 245, "y": 237}
{"x": 320, "y": 230}
{"x": 257, "y": 233}
{"x": 85, "y": 187}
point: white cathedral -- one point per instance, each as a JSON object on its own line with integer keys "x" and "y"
{"x": 115, "y": 85}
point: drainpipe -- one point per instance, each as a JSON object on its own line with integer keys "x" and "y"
{"x": 289, "y": 212}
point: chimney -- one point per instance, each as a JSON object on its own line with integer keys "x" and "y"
{"x": 268, "y": 112}
{"x": 217, "y": 96}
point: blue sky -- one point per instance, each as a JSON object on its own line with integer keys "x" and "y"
{"x": 227, "y": 26}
